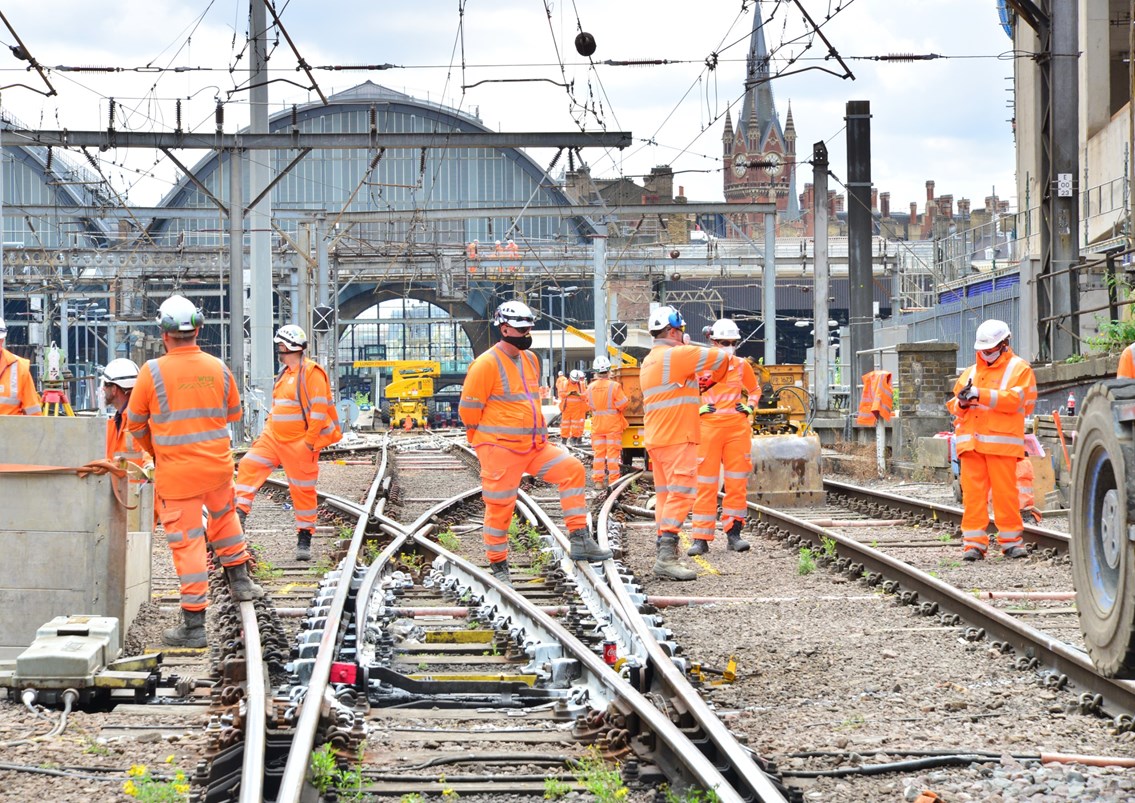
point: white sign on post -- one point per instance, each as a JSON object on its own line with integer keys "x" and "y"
{"x": 1064, "y": 185}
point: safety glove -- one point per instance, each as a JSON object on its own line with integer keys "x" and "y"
{"x": 706, "y": 409}
{"x": 743, "y": 408}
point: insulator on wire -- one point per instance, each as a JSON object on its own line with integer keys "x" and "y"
{"x": 110, "y": 116}
{"x": 571, "y": 161}
{"x": 552, "y": 164}
{"x": 295, "y": 117}
{"x": 422, "y": 165}
{"x": 373, "y": 119}
{"x": 177, "y": 115}
{"x": 50, "y": 159}
{"x": 219, "y": 115}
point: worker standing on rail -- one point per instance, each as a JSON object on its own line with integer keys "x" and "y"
{"x": 179, "y": 411}
{"x": 17, "y": 388}
{"x": 302, "y": 422}
{"x": 670, "y": 405}
{"x": 726, "y": 444}
{"x": 118, "y": 378}
{"x": 606, "y": 399}
{"x": 573, "y": 409}
{"x": 991, "y": 400}
{"x": 500, "y": 407}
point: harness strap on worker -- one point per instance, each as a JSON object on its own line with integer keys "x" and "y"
{"x": 96, "y": 467}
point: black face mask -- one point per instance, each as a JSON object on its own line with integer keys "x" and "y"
{"x": 524, "y": 342}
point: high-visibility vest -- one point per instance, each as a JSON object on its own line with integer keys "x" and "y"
{"x": 561, "y": 386}
{"x": 572, "y": 398}
{"x": 1127, "y": 363}
{"x": 994, "y": 423}
{"x": 178, "y": 411}
{"x": 18, "y": 395}
{"x": 606, "y": 399}
{"x": 302, "y": 408}
{"x": 878, "y": 398}
{"x": 670, "y": 398}
{"x": 725, "y": 394}
{"x": 500, "y": 401}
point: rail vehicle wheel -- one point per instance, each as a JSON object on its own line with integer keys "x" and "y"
{"x": 1103, "y": 500}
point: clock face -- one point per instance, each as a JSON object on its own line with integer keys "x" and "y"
{"x": 773, "y": 163}
{"x": 740, "y": 165}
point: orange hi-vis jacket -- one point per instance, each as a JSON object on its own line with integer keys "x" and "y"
{"x": 17, "y": 390}
{"x": 670, "y": 390}
{"x": 120, "y": 444}
{"x": 725, "y": 394}
{"x": 878, "y": 398}
{"x": 500, "y": 400}
{"x": 301, "y": 406}
{"x": 606, "y": 399}
{"x": 178, "y": 412}
{"x": 561, "y": 386}
{"x": 994, "y": 423}
{"x": 574, "y": 398}
{"x": 1127, "y": 363}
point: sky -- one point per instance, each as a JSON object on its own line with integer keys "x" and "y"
{"x": 945, "y": 120}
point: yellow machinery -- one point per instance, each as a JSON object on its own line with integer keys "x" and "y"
{"x": 634, "y": 440}
{"x": 627, "y": 359}
{"x": 787, "y": 465}
{"x": 409, "y": 392}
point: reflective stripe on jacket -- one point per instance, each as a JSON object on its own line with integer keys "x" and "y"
{"x": 17, "y": 389}
{"x": 994, "y": 423}
{"x": 178, "y": 412}
{"x": 302, "y": 408}
{"x": 500, "y": 400}
{"x": 726, "y": 394}
{"x": 573, "y": 399}
{"x": 606, "y": 399}
{"x": 670, "y": 390}
{"x": 878, "y": 398}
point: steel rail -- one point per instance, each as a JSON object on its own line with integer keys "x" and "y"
{"x": 256, "y": 716}
{"x": 1118, "y": 694}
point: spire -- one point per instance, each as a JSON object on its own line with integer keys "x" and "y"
{"x": 727, "y": 134}
{"x": 758, "y": 112}
{"x": 789, "y": 126}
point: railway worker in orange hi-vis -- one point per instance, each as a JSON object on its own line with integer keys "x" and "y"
{"x": 179, "y": 412}
{"x": 1127, "y": 363}
{"x": 669, "y": 382}
{"x": 118, "y": 378}
{"x": 561, "y": 385}
{"x": 500, "y": 407}
{"x": 991, "y": 400}
{"x": 573, "y": 409}
{"x": 302, "y": 422}
{"x": 606, "y": 399}
{"x": 726, "y": 444}
{"x": 18, "y": 395}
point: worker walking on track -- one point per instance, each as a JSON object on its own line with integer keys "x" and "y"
{"x": 302, "y": 422}
{"x": 18, "y": 395}
{"x": 178, "y": 412}
{"x": 991, "y": 400}
{"x": 500, "y": 407}
{"x": 670, "y": 405}
{"x": 573, "y": 409}
{"x": 726, "y": 444}
{"x": 606, "y": 400}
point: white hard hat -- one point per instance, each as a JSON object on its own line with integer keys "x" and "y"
{"x": 179, "y": 314}
{"x": 724, "y": 329}
{"x": 3, "y": 328}
{"x": 516, "y": 314}
{"x": 577, "y": 375}
{"x": 664, "y": 317}
{"x": 601, "y": 364}
{"x": 121, "y": 372}
{"x": 291, "y": 336}
{"x": 991, "y": 333}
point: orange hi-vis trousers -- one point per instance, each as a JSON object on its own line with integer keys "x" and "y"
{"x": 981, "y": 473}
{"x": 607, "y": 455}
{"x": 675, "y": 470}
{"x": 186, "y": 534}
{"x": 572, "y": 417}
{"x": 301, "y": 465}
{"x": 726, "y": 441}
{"x": 501, "y": 471}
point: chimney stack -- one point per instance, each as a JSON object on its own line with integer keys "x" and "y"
{"x": 885, "y": 204}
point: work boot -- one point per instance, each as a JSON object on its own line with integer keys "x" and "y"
{"x": 584, "y": 547}
{"x": 736, "y": 542}
{"x": 970, "y": 555}
{"x": 1016, "y": 552}
{"x": 500, "y": 571}
{"x": 667, "y": 565}
{"x": 700, "y": 547}
{"x": 242, "y": 515}
{"x": 240, "y": 584}
{"x": 190, "y": 633}
{"x": 303, "y": 545}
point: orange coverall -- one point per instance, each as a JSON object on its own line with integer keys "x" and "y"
{"x": 573, "y": 410}
{"x": 990, "y": 439}
{"x": 500, "y": 407}
{"x": 178, "y": 412}
{"x": 121, "y": 445}
{"x": 606, "y": 399}
{"x": 302, "y": 422}
{"x": 1127, "y": 363}
{"x": 561, "y": 386}
{"x": 726, "y": 442}
{"x": 17, "y": 390}
{"x": 670, "y": 422}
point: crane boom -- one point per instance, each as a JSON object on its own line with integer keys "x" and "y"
{"x": 627, "y": 359}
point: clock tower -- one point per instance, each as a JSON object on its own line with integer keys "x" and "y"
{"x": 759, "y": 155}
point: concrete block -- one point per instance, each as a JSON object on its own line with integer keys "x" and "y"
{"x": 933, "y": 452}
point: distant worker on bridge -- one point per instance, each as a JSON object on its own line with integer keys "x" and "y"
{"x": 500, "y": 407}
{"x": 302, "y": 422}
{"x": 670, "y": 406}
{"x": 606, "y": 399}
{"x": 179, "y": 412}
{"x": 573, "y": 409}
{"x": 17, "y": 388}
{"x": 1127, "y": 363}
{"x": 726, "y": 444}
{"x": 991, "y": 400}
